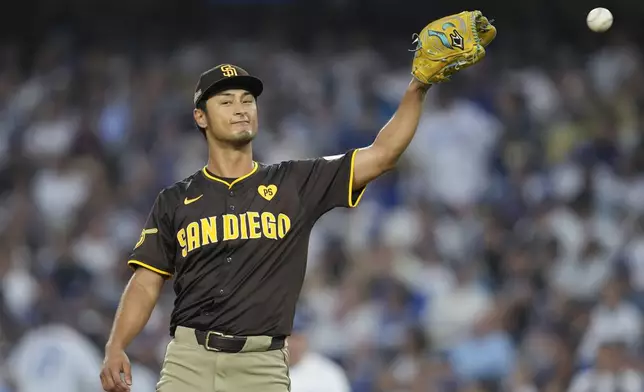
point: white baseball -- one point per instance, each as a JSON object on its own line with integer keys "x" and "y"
{"x": 599, "y": 19}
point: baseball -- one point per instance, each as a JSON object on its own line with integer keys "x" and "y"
{"x": 599, "y": 19}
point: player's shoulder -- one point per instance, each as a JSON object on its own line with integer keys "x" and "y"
{"x": 283, "y": 170}
{"x": 174, "y": 193}
{"x": 305, "y": 162}
{"x": 278, "y": 169}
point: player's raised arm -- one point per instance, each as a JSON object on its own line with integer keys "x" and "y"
{"x": 392, "y": 140}
{"x": 444, "y": 47}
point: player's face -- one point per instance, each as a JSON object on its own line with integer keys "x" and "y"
{"x": 232, "y": 117}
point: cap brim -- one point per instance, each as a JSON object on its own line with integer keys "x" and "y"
{"x": 245, "y": 82}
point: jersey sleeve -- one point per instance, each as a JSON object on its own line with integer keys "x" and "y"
{"x": 327, "y": 182}
{"x": 155, "y": 249}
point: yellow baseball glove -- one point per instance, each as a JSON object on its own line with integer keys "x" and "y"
{"x": 450, "y": 44}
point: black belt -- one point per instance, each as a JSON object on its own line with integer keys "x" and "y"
{"x": 231, "y": 344}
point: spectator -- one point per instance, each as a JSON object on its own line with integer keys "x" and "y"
{"x": 453, "y": 164}
{"x": 55, "y": 358}
{"x": 614, "y": 318}
{"x": 611, "y": 372}
{"x": 452, "y": 315}
{"x": 405, "y": 372}
{"x": 582, "y": 279}
{"x": 488, "y": 355}
{"x": 522, "y": 380}
{"x": 634, "y": 254}
{"x": 310, "y": 371}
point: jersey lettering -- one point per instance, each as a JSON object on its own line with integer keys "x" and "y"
{"x": 209, "y": 230}
{"x": 250, "y": 225}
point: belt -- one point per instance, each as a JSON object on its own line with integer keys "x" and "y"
{"x": 215, "y": 341}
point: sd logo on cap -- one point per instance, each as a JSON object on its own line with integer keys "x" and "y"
{"x": 225, "y": 77}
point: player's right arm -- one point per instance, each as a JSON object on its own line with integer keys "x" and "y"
{"x": 137, "y": 302}
{"x": 152, "y": 261}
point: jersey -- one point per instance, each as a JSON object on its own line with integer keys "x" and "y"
{"x": 237, "y": 250}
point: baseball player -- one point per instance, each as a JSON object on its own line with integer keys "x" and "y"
{"x": 233, "y": 236}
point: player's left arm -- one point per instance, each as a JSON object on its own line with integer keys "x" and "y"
{"x": 392, "y": 140}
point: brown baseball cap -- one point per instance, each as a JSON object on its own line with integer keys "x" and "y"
{"x": 224, "y": 77}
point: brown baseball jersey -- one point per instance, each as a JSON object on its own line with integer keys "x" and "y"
{"x": 237, "y": 249}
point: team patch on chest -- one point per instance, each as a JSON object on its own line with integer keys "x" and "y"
{"x": 247, "y": 226}
{"x": 267, "y": 192}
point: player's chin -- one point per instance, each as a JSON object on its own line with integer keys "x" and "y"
{"x": 243, "y": 136}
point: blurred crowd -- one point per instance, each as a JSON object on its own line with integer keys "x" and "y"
{"x": 505, "y": 253}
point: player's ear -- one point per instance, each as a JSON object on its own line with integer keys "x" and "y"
{"x": 200, "y": 118}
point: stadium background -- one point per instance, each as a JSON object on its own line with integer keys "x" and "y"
{"x": 506, "y": 251}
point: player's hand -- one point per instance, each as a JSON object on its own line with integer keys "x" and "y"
{"x": 116, "y": 361}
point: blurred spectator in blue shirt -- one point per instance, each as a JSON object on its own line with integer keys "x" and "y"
{"x": 488, "y": 354}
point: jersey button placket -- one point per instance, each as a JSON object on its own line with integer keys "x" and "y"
{"x": 231, "y": 193}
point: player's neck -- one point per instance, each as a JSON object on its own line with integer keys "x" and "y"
{"x": 230, "y": 163}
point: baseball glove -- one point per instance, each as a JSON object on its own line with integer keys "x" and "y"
{"x": 450, "y": 44}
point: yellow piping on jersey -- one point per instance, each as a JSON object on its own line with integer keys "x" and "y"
{"x": 151, "y": 268}
{"x": 230, "y": 184}
{"x": 351, "y": 202}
